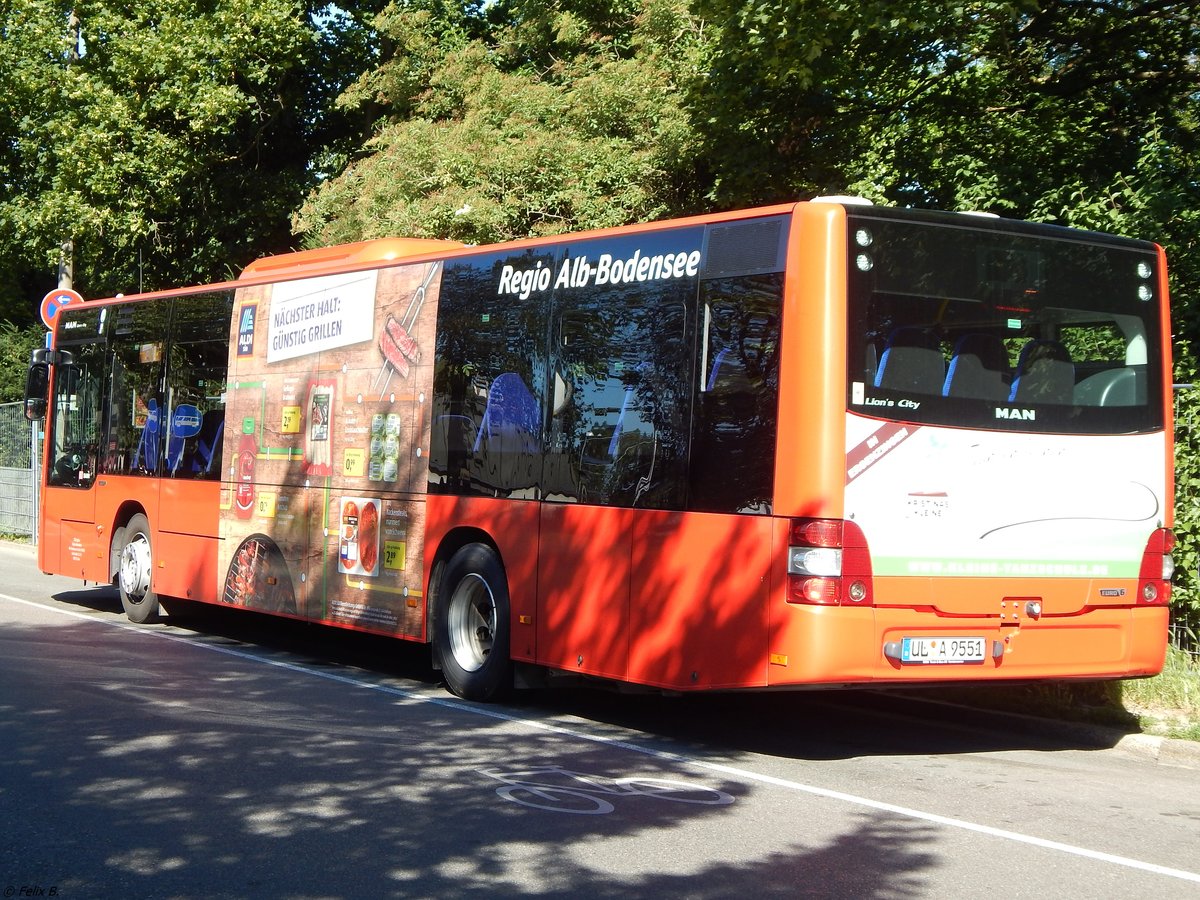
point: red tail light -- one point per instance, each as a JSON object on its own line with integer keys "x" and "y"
{"x": 1154, "y": 578}
{"x": 829, "y": 563}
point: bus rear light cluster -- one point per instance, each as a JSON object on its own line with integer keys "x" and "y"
{"x": 829, "y": 563}
{"x": 1154, "y": 578}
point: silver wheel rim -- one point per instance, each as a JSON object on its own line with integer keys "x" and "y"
{"x": 135, "y": 568}
{"x": 471, "y": 622}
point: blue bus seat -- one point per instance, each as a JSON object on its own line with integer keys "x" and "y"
{"x": 912, "y": 361}
{"x": 512, "y": 415}
{"x": 978, "y": 368}
{"x": 1045, "y": 374}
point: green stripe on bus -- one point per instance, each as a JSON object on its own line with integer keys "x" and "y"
{"x": 991, "y": 568}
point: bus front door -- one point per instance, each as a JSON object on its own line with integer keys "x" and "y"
{"x": 69, "y": 543}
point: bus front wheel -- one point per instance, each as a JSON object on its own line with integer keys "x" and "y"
{"x": 471, "y": 628}
{"x": 133, "y": 576}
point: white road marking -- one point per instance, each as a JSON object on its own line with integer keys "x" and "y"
{"x": 664, "y": 755}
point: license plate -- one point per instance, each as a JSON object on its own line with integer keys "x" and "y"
{"x": 943, "y": 650}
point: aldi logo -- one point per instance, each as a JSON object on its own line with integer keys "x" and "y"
{"x": 245, "y": 344}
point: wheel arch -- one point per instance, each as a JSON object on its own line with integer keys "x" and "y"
{"x": 453, "y": 541}
{"x": 126, "y": 511}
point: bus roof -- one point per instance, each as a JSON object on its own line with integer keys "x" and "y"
{"x": 313, "y": 262}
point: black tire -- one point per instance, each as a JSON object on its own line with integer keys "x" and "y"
{"x": 471, "y": 626}
{"x": 135, "y": 570}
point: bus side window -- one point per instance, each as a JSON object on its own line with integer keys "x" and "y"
{"x": 488, "y": 395}
{"x": 732, "y": 461}
{"x": 135, "y": 428}
{"x": 197, "y": 360}
{"x": 619, "y": 433}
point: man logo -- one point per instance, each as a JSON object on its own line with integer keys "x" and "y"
{"x": 1027, "y": 415}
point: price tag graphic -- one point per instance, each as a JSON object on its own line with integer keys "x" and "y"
{"x": 354, "y": 462}
{"x": 393, "y": 554}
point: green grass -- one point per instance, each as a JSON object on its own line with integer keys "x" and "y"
{"x": 1168, "y": 704}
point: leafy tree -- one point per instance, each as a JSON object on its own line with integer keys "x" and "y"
{"x": 16, "y": 345}
{"x": 562, "y": 118}
{"x": 1186, "y": 599}
{"x": 170, "y": 139}
{"x": 1009, "y": 105}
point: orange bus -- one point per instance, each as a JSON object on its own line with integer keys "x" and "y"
{"x": 822, "y": 443}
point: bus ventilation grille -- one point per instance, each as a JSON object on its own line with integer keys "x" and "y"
{"x": 745, "y": 248}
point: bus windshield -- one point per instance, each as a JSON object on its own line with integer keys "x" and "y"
{"x": 77, "y": 404}
{"x": 974, "y": 323}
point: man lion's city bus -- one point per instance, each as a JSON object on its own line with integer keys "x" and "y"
{"x": 823, "y": 443}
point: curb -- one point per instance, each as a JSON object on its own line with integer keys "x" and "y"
{"x": 1164, "y": 751}
{"x": 1161, "y": 750}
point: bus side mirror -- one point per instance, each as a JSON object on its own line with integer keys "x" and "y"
{"x": 36, "y": 384}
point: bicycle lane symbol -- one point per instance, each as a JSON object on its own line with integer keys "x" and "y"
{"x": 556, "y": 789}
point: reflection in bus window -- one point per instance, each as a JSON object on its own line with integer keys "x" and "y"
{"x": 487, "y": 404}
{"x": 733, "y": 458}
{"x": 621, "y": 363}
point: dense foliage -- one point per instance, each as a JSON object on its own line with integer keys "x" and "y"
{"x": 544, "y": 121}
{"x": 169, "y": 140}
{"x": 174, "y": 140}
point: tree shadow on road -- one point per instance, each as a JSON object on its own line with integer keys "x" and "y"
{"x": 148, "y": 767}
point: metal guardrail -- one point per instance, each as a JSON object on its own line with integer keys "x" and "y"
{"x": 15, "y": 437}
{"x": 18, "y": 472}
{"x": 1186, "y": 639}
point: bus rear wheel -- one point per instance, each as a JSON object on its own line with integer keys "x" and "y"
{"x": 133, "y": 576}
{"x": 471, "y": 627}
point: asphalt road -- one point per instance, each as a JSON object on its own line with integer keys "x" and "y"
{"x": 232, "y": 755}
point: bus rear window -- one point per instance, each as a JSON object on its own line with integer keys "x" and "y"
{"x": 976, "y": 326}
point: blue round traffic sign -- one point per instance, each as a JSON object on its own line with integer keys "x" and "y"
{"x": 56, "y": 300}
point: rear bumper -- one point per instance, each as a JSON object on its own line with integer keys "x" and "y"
{"x": 840, "y": 645}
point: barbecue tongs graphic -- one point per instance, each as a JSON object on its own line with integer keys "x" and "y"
{"x": 399, "y": 349}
